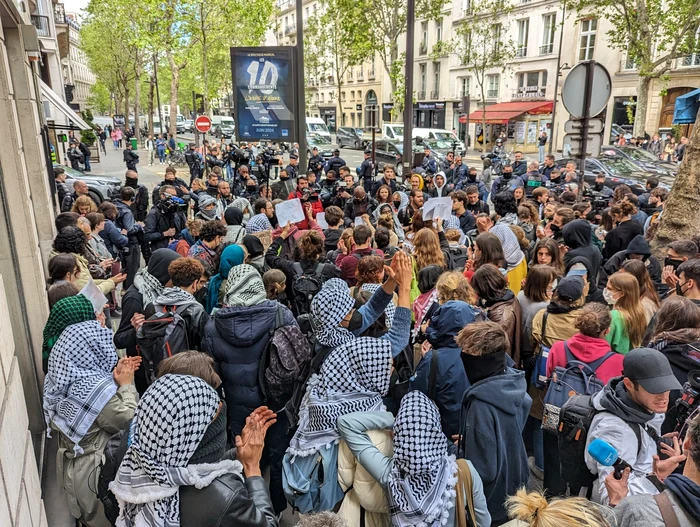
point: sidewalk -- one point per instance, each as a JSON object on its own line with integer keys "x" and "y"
{"x": 112, "y": 164}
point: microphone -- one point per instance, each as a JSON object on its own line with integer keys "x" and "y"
{"x": 606, "y": 455}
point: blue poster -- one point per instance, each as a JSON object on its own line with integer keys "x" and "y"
{"x": 263, "y": 81}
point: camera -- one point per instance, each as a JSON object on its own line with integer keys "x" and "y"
{"x": 172, "y": 205}
{"x": 689, "y": 399}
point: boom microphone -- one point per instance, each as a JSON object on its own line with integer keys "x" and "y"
{"x": 607, "y": 456}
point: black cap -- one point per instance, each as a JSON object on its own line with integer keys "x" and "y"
{"x": 570, "y": 288}
{"x": 336, "y": 152}
{"x": 368, "y": 151}
{"x": 650, "y": 369}
{"x": 315, "y": 148}
{"x": 293, "y": 156}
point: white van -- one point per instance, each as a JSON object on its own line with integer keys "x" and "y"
{"x": 437, "y": 134}
{"x": 393, "y": 131}
{"x": 318, "y": 126}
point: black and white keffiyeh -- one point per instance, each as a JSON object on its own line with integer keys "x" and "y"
{"x": 258, "y": 223}
{"x": 148, "y": 285}
{"x": 390, "y": 308}
{"x": 328, "y": 309}
{"x": 173, "y": 296}
{"x": 423, "y": 476}
{"x": 244, "y": 287}
{"x": 354, "y": 378}
{"x": 169, "y": 424}
{"x": 79, "y": 382}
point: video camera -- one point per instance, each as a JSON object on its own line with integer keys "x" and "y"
{"x": 308, "y": 195}
{"x": 172, "y": 205}
{"x": 689, "y": 400}
{"x": 599, "y": 201}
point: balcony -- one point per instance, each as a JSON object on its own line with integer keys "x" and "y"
{"x": 491, "y": 94}
{"x": 371, "y": 75}
{"x": 435, "y": 94}
{"x": 521, "y": 52}
{"x": 421, "y": 95}
{"x": 627, "y": 65}
{"x": 689, "y": 61}
{"x": 529, "y": 92}
{"x": 41, "y": 23}
{"x": 291, "y": 28}
{"x": 547, "y": 49}
{"x": 59, "y": 14}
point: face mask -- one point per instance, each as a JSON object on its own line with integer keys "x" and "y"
{"x": 472, "y": 177}
{"x": 397, "y": 203}
{"x": 355, "y": 321}
{"x": 609, "y": 298}
{"x": 251, "y": 188}
{"x": 673, "y": 263}
{"x": 555, "y": 229}
{"x": 599, "y": 186}
{"x": 679, "y": 289}
{"x": 507, "y": 175}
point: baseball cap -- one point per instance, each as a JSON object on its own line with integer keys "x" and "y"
{"x": 578, "y": 269}
{"x": 651, "y": 369}
{"x": 570, "y": 288}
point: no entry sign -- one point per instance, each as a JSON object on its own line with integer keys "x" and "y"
{"x": 203, "y": 124}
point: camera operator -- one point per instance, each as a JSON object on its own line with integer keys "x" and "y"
{"x": 631, "y": 409}
{"x": 283, "y": 187}
{"x": 170, "y": 179}
{"x": 316, "y": 163}
{"x": 678, "y": 504}
{"x": 313, "y": 182}
{"x": 308, "y": 198}
{"x": 131, "y": 254}
{"x": 335, "y": 163}
{"x": 344, "y": 191}
{"x": 214, "y": 158}
{"x": 195, "y": 161}
{"x": 166, "y": 220}
{"x": 328, "y": 189}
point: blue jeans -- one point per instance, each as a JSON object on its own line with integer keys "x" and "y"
{"x": 541, "y": 149}
{"x": 533, "y": 431}
{"x": 86, "y": 160}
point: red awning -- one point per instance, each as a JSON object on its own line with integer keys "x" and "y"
{"x": 503, "y": 112}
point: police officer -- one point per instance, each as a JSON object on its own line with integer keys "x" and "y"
{"x": 194, "y": 161}
{"x": 366, "y": 171}
{"x": 293, "y": 166}
{"x": 316, "y": 163}
{"x": 335, "y": 162}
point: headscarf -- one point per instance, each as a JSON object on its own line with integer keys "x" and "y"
{"x": 253, "y": 245}
{"x": 404, "y": 200}
{"x": 79, "y": 382}
{"x": 398, "y": 229}
{"x": 65, "y": 312}
{"x": 328, "y": 309}
{"x": 204, "y": 201}
{"x": 243, "y": 204}
{"x": 354, "y": 378}
{"x": 259, "y": 222}
{"x": 390, "y": 310}
{"x": 441, "y": 189}
{"x": 156, "y": 464}
{"x": 244, "y": 287}
{"x": 511, "y": 246}
{"x": 232, "y": 256}
{"x": 150, "y": 281}
{"x": 423, "y": 476}
{"x": 233, "y": 215}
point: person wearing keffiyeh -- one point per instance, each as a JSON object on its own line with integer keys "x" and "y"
{"x": 68, "y": 311}
{"x": 421, "y": 477}
{"x": 231, "y": 256}
{"x": 259, "y": 222}
{"x": 86, "y": 400}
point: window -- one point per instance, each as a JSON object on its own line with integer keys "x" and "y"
{"x": 424, "y": 38}
{"x": 694, "y": 58}
{"x": 531, "y": 84}
{"x": 352, "y": 95}
{"x": 497, "y": 30}
{"x": 359, "y": 94}
{"x": 588, "y": 31}
{"x": 423, "y": 80}
{"x": 342, "y": 96}
{"x": 464, "y": 86}
{"x": 466, "y": 7}
{"x": 466, "y": 50}
{"x": 493, "y": 82}
{"x": 438, "y": 31}
{"x": 523, "y": 34}
{"x": 307, "y": 14}
{"x": 436, "y": 80}
{"x": 550, "y": 27}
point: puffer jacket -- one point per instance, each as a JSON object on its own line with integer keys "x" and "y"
{"x": 361, "y": 489}
{"x": 236, "y": 337}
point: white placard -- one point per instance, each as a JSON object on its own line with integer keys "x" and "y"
{"x": 289, "y": 212}
{"x": 359, "y": 221}
{"x": 437, "y": 208}
{"x": 321, "y": 220}
{"x": 95, "y": 296}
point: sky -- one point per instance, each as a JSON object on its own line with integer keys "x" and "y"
{"x": 74, "y": 6}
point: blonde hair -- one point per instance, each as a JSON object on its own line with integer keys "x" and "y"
{"x": 630, "y": 306}
{"x": 454, "y": 286}
{"x": 533, "y": 509}
{"x": 426, "y": 249}
{"x": 83, "y": 201}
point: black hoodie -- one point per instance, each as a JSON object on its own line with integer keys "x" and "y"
{"x": 577, "y": 237}
{"x": 637, "y": 246}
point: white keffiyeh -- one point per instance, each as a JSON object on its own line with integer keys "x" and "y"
{"x": 353, "y": 378}
{"x": 390, "y": 308}
{"x": 244, "y": 287}
{"x": 164, "y": 435}
{"x": 79, "y": 382}
{"x": 148, "y": 285}
{"x": 328, "y": 309}
{"x": 423, "y": 476}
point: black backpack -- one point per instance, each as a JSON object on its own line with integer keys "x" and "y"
{"x": 458, "y": 258}
{"x": 306, "y": 286}
{"x": 161, "y": 336}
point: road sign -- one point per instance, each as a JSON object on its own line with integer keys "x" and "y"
{"x": 358, "y": 107}
{"x": 595, "y": 126}
{"x": 202, "y": 124}
{"x": 573, "y": 92}
{"x": 593, "y": 144}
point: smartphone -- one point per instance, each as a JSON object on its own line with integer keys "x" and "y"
{"x": 116, "y": 268}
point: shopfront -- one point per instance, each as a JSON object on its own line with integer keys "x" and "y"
{"x": 520, "y": 122}
{"x": 429, "y": 115}
{"x": 328, "y": 114}
{"x": 387, "y": 108}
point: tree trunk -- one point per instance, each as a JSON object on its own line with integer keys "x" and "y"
{"x": 126, "y": 107}
{"x": 151, "y": 97}
{"x": 205, "y": 71}
{"x": 137, "y": 103}
{"x": 174, "y": 87}
{"x": 483, "y": 120}
{"x": 681, "y": 216}
{"x": 640, "y": 115}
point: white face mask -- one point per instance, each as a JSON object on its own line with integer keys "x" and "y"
{"x": 609, "y": 298}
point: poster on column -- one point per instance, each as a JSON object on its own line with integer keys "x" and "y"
{"x": 264, "y": 94}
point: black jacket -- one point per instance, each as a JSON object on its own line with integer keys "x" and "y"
{"x": 355, "y": 209}
{"x": 620, "y": 237}
{"x": 131, "y": 158}
{"x": 140, "y": 205}
{"x": 637, "y": 246}
{"x": 367, "y": 169}
{"x": 157, "y": 223}
{"x": 316, "y": 164}
{"x": 519, "y": 168}
{"x": 67, "y": 202}
{"x": 292, "y": 171}
{"x": 391, "y": 184}
{"x": 577, "y": 237}
{"x": 125, "y": 220}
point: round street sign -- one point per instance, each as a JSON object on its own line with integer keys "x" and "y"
{"x": 203, "y": 124}
{"x": 572, "y": 94}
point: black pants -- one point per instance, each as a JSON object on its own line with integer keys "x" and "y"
{"x": 553, "y": 484}
{"x": 131, "y": 262}
{"x": 276, "y": 443}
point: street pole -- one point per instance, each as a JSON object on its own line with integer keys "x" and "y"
{"x": 155, "y": 74}
{"x": 556, "y": 80}
{"x": 374, "y": 142}
{"x": 301, "y": 99}
{"x": 466, "y": 108}
{"x": 408, "y": 91}
{"x": 194, "y": 112}
{"x": 587, "y": 94}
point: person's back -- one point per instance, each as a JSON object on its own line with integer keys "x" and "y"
{"x": 577, "y": 237}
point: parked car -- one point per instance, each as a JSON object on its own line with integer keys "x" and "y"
{"x": 348, "y": 136}
{"x": 101, "y": 187}
{"x": 223, "y": 131}
{"x": 618, "y": 170}
{"x": 644, "y": 160}
{"x": 321, "y": 142}
{"x": 189, "y": 125}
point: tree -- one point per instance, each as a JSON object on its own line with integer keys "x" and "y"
{"x": 99, "y": 98}
{"x": 653, "y": 33}
{"x": 481, "y": 46}
{"x": 681, "y": 215}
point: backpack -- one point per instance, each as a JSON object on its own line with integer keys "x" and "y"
{"x": 575, "y": 420}
{"x": 286, "y": 356}
{"x": 539, "y": 372}
{"x": 161, "y": 336}
{"x": 576, "y": 378}
{"x": 112, "y": 456}
{"x": 310, "y": 483}
{"x": 457, "y": 258}
{"x": 378, "y": 328}
{"x": 305, "y": 286}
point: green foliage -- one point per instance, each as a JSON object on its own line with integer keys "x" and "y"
{"x": 99, "y": 98}
{"x": 87, "y": 136}
{"x": 629, "y": 109}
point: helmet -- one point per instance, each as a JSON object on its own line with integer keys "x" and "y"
{"x": 499, "y": 141}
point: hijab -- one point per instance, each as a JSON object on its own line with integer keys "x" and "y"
{"x": 66, "y": 312}
{"x": 79, "y": 382}
{"x": 157, "y": 463}
{"x": 253, "y": 245}
{"x": 328, "y": 309}
{"x": 423, "y": 476}
{"x": 244, "y": 287}
{"x": 204, "y": 201}
{"x": 150, "y": 281}
{"x": 233, "y": 215}
{"x": 353, "y": 378}
{"x": 231, "y": 256}
{"x": 243, "y": 205}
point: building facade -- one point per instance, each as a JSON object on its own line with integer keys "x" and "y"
{"x": 76, "y": 70}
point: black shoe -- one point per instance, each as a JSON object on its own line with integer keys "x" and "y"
{"x": 115, "y": 313}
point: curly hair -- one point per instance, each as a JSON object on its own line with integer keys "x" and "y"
{"x": 369, "y": 270}
{"x": 70, "y": 240}
{"x": 622, "y": 209}
{"x": 84, "y": 201}
{"x": 310, "y": 245}
{"x": 427, "y": 249}
{"x": 504, "y": 203}
{"x": 211, "y": 229}
{"x": 184, "y": 271}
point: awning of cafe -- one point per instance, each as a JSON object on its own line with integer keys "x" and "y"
{"x": 503, "y": 112}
